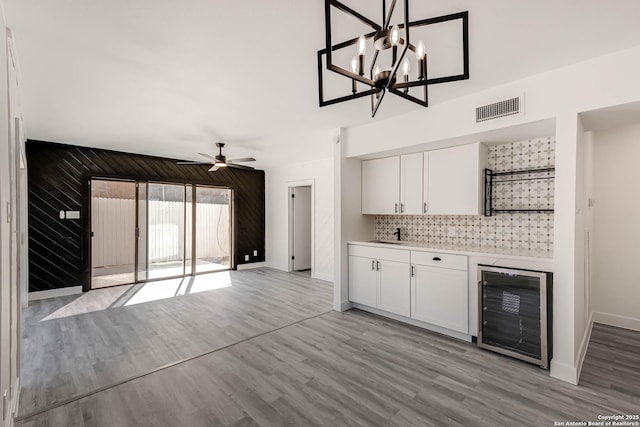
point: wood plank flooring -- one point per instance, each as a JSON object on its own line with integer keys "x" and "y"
{"x": 357, "y": 369}
{"x": 76, "y": 344}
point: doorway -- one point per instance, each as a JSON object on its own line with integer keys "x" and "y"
{"x": 142, "y": 231}
{"x": 301, "y": 228}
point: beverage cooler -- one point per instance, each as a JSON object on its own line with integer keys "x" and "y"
{"x": 515, "y": 313}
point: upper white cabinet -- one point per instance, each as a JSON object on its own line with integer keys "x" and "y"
{"x": 381, "y": 186}
{"x": 453, "y": 180}
{"x": 440, "y": 182}
{"x": 411, "y": 171}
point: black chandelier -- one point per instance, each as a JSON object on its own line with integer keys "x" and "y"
{"x": 380, "y": 80}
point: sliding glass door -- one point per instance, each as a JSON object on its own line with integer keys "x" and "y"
{"x": 156, "y": 231}
{"x": 213, "y": 229}
{"x": 113, "y": 233}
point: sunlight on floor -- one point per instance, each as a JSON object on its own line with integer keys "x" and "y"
{"x": 127, "y": 295}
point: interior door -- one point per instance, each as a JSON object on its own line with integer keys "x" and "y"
{"x": 113, "y": 231}
{"x": 301, "y": 201}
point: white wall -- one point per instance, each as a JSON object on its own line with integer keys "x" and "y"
{"x": 616, "y": 230}
{"x": 11, "y": 251}
{"x": 560, "y": 94}
{"x": 319, "y": 174}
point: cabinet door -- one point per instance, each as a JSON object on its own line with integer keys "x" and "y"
{"x": 381, "y": 186}
{"x": 454, "y": 180}
{"x": 394, "y": 288}
{"x": 362, "y": 280}
{"x": 411, "y": 184}
{"x": 439, "y": 296}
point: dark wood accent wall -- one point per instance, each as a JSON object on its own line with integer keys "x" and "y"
{"x": 58, "y": 180}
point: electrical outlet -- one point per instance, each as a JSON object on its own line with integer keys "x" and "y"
{"x": 255, "y": 253}
{"x": 452, "y": 232}
{"x": 246, "y": 257}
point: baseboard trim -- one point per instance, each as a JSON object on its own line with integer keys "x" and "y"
{"x": 564, "y": 372}
{"x": 322, "y": 276}
{"x": 52, "y": 293}
{"x": 615, "y": 320}
{"x": 251, "y": 265}
{"x": 584, "y": 345}
{"x": 13, "y": 405}
{"x": 423, "y": 325}
{"x": 342, "y": 305}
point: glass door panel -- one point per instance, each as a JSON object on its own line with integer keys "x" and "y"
{"x": 166, "y": 230}
{"x": 212, "y": 229}
{"x": 143, "y": 264}
{"x": 113, "y": 227}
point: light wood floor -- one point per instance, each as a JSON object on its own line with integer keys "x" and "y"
{"x": 339, "y": 369}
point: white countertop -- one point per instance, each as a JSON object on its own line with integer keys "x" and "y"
{"x": 459, "y": 249}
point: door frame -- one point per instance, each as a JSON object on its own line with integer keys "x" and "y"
{"x": 290, "y": 186}
{"x": 86, "y": 225}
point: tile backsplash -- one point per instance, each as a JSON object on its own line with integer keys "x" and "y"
{"x": 503, "y": 231}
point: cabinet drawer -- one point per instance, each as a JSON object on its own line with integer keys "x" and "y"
{"x": 400, "y": 255}
{"x": 435, "y": 259}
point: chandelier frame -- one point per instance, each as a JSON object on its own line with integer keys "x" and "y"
{"x": 378, "y": 88}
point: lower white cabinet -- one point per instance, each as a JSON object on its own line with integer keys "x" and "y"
{"x": 394, "y": 287}
{"x": 380, "y": 278}
{"x": 426, "y": 286}
{"x": 439, "y": 296}
{"x": 363, "y": 279}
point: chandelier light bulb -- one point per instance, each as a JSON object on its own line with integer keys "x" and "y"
{"x": 362, "y": 45}
{"x": 395, "y": 36}
{"x": 376, "y": 71}
{"x": 354, "y": 65}
{"x": 406, "y": 66}
{"x": 420, "y": 50}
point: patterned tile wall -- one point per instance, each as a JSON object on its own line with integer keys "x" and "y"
{"x": 503, "y": 231}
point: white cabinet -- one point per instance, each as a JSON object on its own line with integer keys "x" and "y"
{"x": 453, "y": 180}
{"x": 439, "y": 290}
{"x": 363, "y": 279}
{"x": 394, "y": 287}
{"x": 392, "y": 185}
{"x": 429, "y": 287}
{"x": 381, "y": 186}
{"x": 411, "y": 173}
{"x": 380, "y": 278}
{"x": 439, "y": 182}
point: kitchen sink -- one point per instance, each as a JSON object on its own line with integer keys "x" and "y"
{"x": 387, "y": 242}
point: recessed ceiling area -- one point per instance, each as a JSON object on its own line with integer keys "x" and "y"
{"x": 611, "y": 117}
{"x": 170, "y": 78}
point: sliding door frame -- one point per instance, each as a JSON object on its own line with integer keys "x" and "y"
{"x": 87, "y": 229}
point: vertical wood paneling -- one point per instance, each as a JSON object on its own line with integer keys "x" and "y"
{"x": 58, "y": 175}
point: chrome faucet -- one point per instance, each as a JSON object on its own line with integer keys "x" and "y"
{"x": 397, "y": 233}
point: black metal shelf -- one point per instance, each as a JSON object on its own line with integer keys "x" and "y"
{"x": 489, "y": 183}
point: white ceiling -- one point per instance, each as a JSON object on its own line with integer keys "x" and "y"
{"x": 170, "y": 77}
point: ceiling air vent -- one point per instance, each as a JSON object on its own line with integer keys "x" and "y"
{"x": 508, "y": 107}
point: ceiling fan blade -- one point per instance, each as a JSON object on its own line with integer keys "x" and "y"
{"x": 244, "y": 159}
{"x": 235, "y": 165}
{"x": 194, "y": 163}
{"x": 214, "y": 168}
{"x": 207, "y": 156}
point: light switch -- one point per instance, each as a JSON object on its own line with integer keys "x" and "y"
{"x": 73, "y": 214}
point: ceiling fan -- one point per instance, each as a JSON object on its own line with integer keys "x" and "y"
{"x": 220, "y": 161}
